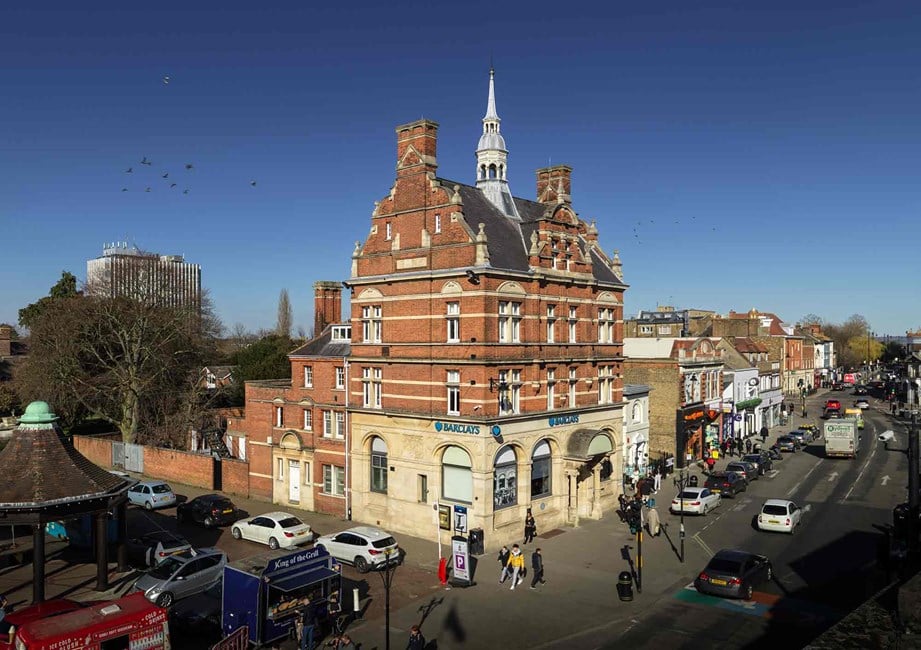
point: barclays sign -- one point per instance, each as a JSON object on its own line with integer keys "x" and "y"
{"x": 563, "y": 419}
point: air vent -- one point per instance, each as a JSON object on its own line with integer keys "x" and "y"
{"x": 108, "y": 610}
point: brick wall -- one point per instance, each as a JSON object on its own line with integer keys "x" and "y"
{"x": 235, "y": 477}
{"x": 96, "y": 448}
{"x": 180, "y": 466}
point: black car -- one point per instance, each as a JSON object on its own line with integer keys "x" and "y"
{"x": 200, "y": 613}
{"x": 726, "y": 484}
{"x": 761, "y": 461}
{"x": 861, "y": 390}
{"x": 774, "y": 454}
{"x": 734, "y": 574}
{"x": 210, "y": 510}
{"x": 747, "y": 470}
{"x": 152, "y": 548}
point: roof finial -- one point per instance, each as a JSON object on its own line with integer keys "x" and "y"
{"x": 491, "y": 103}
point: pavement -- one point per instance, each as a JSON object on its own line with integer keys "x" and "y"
{"x": 578, "y": 603}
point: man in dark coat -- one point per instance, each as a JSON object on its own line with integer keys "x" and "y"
{"x": 503, "y": 562}
{"x": 537, "y": 565}
{"x": 764, "y": 434}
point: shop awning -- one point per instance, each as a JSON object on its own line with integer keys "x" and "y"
{"x": 748, "y": 404}
{"x": 584, "y": 444}
{"x": 298, "y": 580}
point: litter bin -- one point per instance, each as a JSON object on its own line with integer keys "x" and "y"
{"x": 625, "y": 586}
{"x": 476, "y": 542}
{"x": 692, "y": 480}
{"x": 900, "y": 521}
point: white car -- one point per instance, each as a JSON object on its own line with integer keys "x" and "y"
{"x": 365, "y": 547}
{"x": 695, "y": 500}
{"x": 152, "y": 494}
{"x": 277, "y": 529}
{"x": 779, "y": 515}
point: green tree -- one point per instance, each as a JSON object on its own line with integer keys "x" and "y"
{"x": 283, "y": 326}
{"x": 266, "y": 358}
{"x": 66, "y": 287}
{"x": 894, "y": 350}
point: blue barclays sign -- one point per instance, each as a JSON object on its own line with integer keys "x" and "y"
{"x": 563, "y": 419}
{"x": 457, "y": 427}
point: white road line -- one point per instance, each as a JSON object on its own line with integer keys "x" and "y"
{"x": 773, "y": 473}
{"x": 863, "y": 469}
{"x": 796, "y": 487}
{"x": 703, "y": 544}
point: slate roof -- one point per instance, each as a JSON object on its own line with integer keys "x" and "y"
{"x": 507, "y": 240}
{"x": 50, "y": 471}
{"x": 635, "y": 389}
{"x": 323, "y": 346}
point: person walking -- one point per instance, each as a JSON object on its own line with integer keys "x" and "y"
{"x": 537, "y": 566}
{"x": 4, "y": 607}
{"x": 516, "y": 565}
{"x": 416, "y": 640}
{"x": 711, "y": 461}
{"x": 748, "y": 445}
{"x": 503, "y": 563}
{"x": 652, "y": 522}
{"x": 764, "y": 434}
{"x": 740, "y": 446}
{"x": 530, "y": 527}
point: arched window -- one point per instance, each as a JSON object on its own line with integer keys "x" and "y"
{"x": 456, "y": 475}
{"x": 637, "y": 415}
{"x": 378, "y": 465}
{"x": 502, "y": 171}
{"x": 492, "y": 171}
{"x": 482, "y": 172}
{"x": 540, "y": 470}
{"x": 505, "y": 479}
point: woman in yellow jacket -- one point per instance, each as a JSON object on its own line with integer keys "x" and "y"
{"x": 516, "y": 565}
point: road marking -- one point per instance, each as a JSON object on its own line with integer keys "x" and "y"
{"x": 773, "y": 473}
{"x": 833, "y": 477}
{"x": 796, "y": 487}
{"x": 863, "y": 469}
{"x": 703, "y": 544}
{"x": 885, "y": 479}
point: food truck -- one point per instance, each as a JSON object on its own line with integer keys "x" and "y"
{"x": 268, "y": 592}
{"x": 132, "y": 623}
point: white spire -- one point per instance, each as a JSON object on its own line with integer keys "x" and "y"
{"x": 492, "y": 158}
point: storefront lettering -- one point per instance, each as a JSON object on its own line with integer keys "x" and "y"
{"x": 691, "y": 417}
{"x": 457, "y": 427}
{"x": 563, "y": 419}
{"x": 294, "y": 559}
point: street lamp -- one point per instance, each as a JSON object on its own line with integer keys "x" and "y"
{"x": 387, "y": 573}
{"x": 681, "y": 482}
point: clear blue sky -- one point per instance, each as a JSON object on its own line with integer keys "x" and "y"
{"x": 765, "y": 157}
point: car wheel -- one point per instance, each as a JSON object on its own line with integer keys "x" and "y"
{"x": 361, "y": 564}
{"x": 148, "y": 505}
{"x": 209, "y": 522}
{"x": 165, "y": 599}
{"x": 748, "y": 592}
{"x": 237, "y": 533}
{"x": 273, "y": 543}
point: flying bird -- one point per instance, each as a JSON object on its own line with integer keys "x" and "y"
{"x": 253, "y": 183}
{"x": 188, "y": 166}
{"x": 166, "y": 175}
{"x": 147, "y": 190}
{"x": 130, "y": 170}
{"x": 185, "y": 191}
{"x": 144, "y": 161}
{"x": 124, "y": 189}
{"x": 166, "y": 79}
{"x": 172, "y": 185}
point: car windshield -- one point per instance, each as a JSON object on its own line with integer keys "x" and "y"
{"x": 734, "y": 467}
{"x": 774, "y": 510}
{"x": 687, "y": 494}
{"x": 290, "y": 522}
{"x": 166, "y": 568}
{"x": 751, "y": 459}
{"x": 722, "y": 565}
{"x": 162, "y": 488}
{"x": 383, "y": 543}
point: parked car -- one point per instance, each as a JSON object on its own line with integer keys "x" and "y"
{"x": 210, "y": 510}
{"x": 152, "y": 548}
{"x": 182, "y": 575}
{"x": 747, "y": 470}
{"x": 199, "y": 613}
{"x": 786, "y": 443}
{"x": 779, "y": 515}
{"x": 861, "y": 403}
{"x": 726, "y": 484}
{"x": 761, "y": 461}
{"x": 734, "y": 574}
{"x": 152, "y": 494}
{"x": 695, "y": 500}
{"x": 365, "y": 547}
{"x": 277, "y": 529}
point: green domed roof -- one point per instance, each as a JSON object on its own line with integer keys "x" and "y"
{"x": 38, "y": 413}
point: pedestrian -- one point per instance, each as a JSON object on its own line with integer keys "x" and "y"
{"x": 4, "y": 607}
{"x": 764, "y": 434}
{"x": 739, "y": 446}
{"x": 711, "y": 461}
{"x": 657, "y": 481}
{"x": 503, "y": 563}
{"x": 516, "y": 565}
{"x": 416, "y": 640}
{"x": 537, "y": 565}
{"x": 530, "y": 527}
{"x": 652, "y": 522}
{"x": 748, "y": 445}
{"x": 344, "y": 642}
{"x": 333, "y": 612}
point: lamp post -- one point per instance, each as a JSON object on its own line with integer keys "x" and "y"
{"x": 681, "y": 482}
{"x": 387, "y": 573}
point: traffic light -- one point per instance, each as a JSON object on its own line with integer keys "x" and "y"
{"x": 633, "y": 520}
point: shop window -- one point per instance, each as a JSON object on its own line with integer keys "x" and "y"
{"x": 540, "y": 470}
{"x": 456, "y": 475}
{"x": 505, "y": 479}
{"x": 379, "y": 465}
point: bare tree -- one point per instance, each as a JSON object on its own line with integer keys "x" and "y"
{"x": 283, "y": 328}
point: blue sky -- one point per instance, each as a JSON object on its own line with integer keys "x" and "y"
{"x": 738, "y": 155}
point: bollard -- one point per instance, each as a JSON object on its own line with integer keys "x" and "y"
{"x": 625, "y": 586}
{"x": 443, "y": 571}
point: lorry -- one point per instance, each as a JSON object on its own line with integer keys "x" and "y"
{"x": 267, "y": 593}
{"x": 841, "y": 438}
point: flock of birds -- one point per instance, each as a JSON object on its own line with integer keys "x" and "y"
{"x": 165, "y": 176}
{"x": 636, "y": 228}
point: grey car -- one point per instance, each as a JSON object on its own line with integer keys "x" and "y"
{"x": 761, "y": 461}
{"x": 181, "y": 575}
{"x": 747, "y": 470}
{"x": 734, "y": 574}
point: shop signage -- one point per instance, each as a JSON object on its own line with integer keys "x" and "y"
{"x": 461, "y": 559}
{"x": 294, "y": 559}
{"x": 563, "y": 419}
{"x": 444, "y": 516}
{"x": 457, "y": 427}
{"x": 693, "y": 416}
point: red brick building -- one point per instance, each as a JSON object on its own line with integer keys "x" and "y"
{"x": 484, "y": 370}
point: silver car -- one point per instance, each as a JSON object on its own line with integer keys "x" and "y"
{"x": 152, "y": 495}
{"x": 181, "y": 575}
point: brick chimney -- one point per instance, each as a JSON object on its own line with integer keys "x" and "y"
{"x": 554, "y": 184}
{"x": 327, "y": 305}
{"x": 416, "y": 143}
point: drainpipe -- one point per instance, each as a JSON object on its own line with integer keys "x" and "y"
{"x": 348, "y": 443}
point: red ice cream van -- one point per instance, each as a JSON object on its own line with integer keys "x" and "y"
{"x": 130, "y": 623}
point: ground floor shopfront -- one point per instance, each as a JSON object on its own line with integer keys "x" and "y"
{"x": 434, "y": 478}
